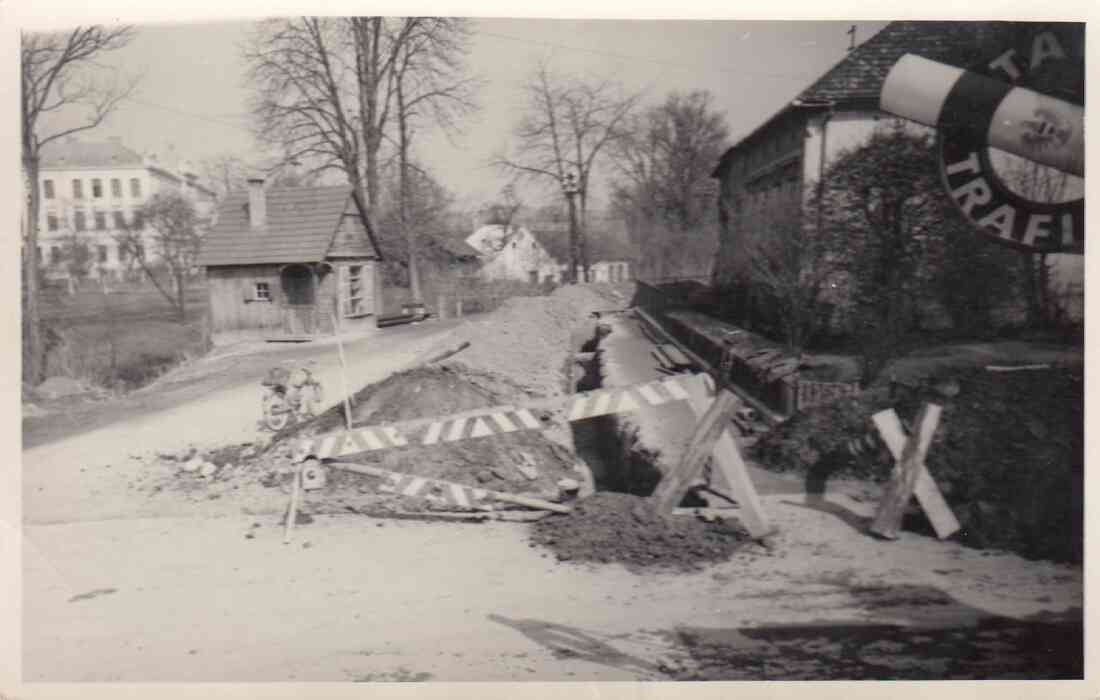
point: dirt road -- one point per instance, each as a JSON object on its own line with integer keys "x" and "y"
{"x": 121, "y": 587}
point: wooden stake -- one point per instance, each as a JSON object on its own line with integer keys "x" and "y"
{"x": 903, "y": 481}
{"x": 292, "y": 509}
{"x": 709, "y": 429}
{"x": 344, "y": 380}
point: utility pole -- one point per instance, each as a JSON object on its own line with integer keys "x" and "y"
{"x": 569, "y": 187}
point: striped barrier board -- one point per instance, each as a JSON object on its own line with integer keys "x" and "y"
{"x": 443, "y": 493}
{"x": 490, "y": 421}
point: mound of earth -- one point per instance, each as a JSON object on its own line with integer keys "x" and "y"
{"x": 620, "y": 528}
{"x": 527, "y": 341}
{"x": 427, "y": 392}
{"x": 1008, "y": 455}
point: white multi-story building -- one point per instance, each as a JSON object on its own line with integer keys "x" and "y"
{"x": 91, "y": 192}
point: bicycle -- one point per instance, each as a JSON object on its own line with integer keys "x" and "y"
{"x": 290, "y": 397}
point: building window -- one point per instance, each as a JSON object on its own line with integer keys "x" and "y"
{"x": 139, "y": 251}
{"x": 135, "y": 187}
{"x": 55, "y": 255}
{"x": 101, "y": 254}
{"x": 97, "y": 188}
{"x": 139, "y": 220}
{"x": 120, "y": 220}
{"x": 116, "y": 187}
{"x": 47, "y": 189}
{"x": 122, "y": 252}
{"x": 78, "y": 189}
{"x": 51, "y": 222}
{"x": 79, "y": 221}
{"x": 100, "y": 221}
{"x": 262, "y": 292}
{"x": 353, "y": 290}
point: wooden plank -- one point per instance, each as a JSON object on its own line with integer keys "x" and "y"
{"x": 729, "y": 463}
{"x": 714, "y": 421}
{"x": 903, "y": 482}
{"x": 928, "y": 494}
{"x": 537, "y": 503}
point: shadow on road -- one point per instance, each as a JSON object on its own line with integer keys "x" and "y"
{"x": 572, "y": 643}
{"x": 940, "y": 638}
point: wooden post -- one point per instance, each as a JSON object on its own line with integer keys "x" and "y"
{"x": 344, "y": 380}
{"x": 727, "y": 458}
{"x": 441, "y": 305}
{"x": 903, "y": 481}
{"x": 710, "y": 427}
{"x": 928, "y": 494}
{"x": 292, "y": 509}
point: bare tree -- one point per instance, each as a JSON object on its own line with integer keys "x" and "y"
{"x": 175, "y": 235}
{"x": 61, "y": 73}
{"x": 568, "y": 125}
{"x": 430, "y": 83}
{"x": 505, "y": 210}
{"x": 306, "y": 95}
{"x": 663, "y": 188}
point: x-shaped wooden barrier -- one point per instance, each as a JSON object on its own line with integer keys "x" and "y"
{"x": 712, "y": 437}
{"x": 910, "y": 476}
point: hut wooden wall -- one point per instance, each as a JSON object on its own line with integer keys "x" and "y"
{"x": 231, "y": 292}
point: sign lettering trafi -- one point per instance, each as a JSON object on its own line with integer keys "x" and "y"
{"x": 1046, "y": 62}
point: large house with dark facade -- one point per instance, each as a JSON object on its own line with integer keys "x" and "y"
{"x": 775, "y": 167}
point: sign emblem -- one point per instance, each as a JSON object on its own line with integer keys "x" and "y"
{"x": 1049, "y": 62}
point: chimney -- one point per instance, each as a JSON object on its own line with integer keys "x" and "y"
{"x": 257, "y": 202}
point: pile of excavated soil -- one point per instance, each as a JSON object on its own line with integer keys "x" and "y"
{"x": 1008, "y": 455}
{"x": 619, "y": 528}
{"x": 427, "y": 392}
{"x": 527, "y": 340}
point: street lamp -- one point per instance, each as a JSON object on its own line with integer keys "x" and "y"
{"x": 569, "y": 187}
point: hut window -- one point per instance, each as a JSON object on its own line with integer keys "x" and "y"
{"x": 353, "y": 290}
{"x": 262, "y": 292}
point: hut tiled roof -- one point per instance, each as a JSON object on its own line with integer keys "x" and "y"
{"x": 300, "y": 225}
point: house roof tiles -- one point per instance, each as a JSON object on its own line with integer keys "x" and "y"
{"x": 300, "y": 225}
{"x": 856, "y": 80}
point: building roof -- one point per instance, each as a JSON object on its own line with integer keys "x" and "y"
{"x": 62, "y": 154}
{"x": 602, "y": 246}
{"x": 856, "y": 80}
{"x": 456, "y": 246}
{"x": 859, "y": 76}
{"x": 301, "y": 224}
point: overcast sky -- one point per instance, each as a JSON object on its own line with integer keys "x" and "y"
{"x": 194, "y": 95}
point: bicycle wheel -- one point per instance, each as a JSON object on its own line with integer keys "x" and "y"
{"x": 276, "y": 416}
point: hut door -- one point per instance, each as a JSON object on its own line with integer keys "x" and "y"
{"x": 300, "y": 305}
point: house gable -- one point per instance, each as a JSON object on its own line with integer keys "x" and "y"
{"x": 351, "y": 238}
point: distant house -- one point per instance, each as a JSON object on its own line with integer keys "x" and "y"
{"x": 775, "y": 167}
{"x": 541, "y": 254}
{"x": 295, "y": 261}
{"x": 92, "y": 191}
{"x": 513, "y": 252}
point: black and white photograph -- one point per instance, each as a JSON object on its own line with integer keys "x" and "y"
{"x": 395, "y": 349}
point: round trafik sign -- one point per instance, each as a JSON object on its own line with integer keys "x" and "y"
{"x": 1019, "y": 211}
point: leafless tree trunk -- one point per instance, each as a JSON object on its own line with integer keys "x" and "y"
{"x": 58, "y": 72}
{"x": 306, "y": 95}
{"x": 568, "y": 125}
{"x": 430, "y": 82}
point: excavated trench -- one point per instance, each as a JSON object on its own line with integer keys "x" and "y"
{"x": 608, "y": 444}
